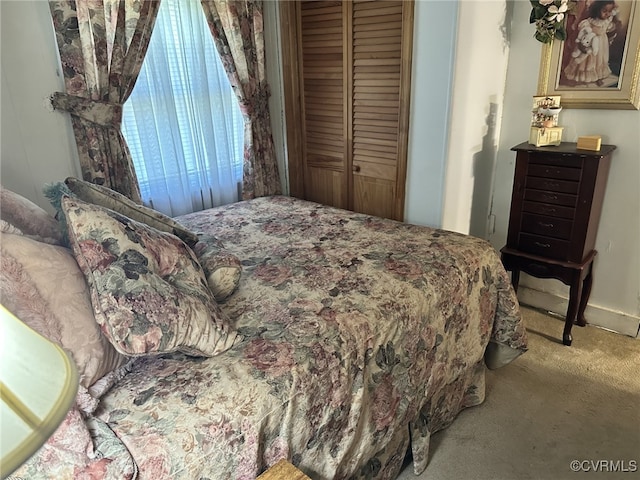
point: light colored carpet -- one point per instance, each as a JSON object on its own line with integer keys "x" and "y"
{"x": 552, "y": 405}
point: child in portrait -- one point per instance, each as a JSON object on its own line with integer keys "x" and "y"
{"x": 588, "y": 62}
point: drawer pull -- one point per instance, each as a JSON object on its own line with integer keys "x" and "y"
{"x": 545, "y": 225}
{"x": 551, "y": 184}
{"x": 548, "y": 210}
{"x": 550, "y": 197}
{"x": 542, "y": 245}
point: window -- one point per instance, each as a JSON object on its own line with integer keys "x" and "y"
{"x": 182, "y": 121}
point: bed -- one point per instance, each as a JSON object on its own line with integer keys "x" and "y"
{"x": 359, "y": 338}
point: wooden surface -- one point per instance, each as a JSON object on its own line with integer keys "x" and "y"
{"x": 283, "y": 470}
{"x": 579, "y": 277}
{"x": 349, "y": 112}
{"x": 557, "y": 199}
{"x": 289, "y": 41}
{"x": 555, "y": 211}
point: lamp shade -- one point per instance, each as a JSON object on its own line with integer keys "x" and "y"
{"x": 38, "y": 384}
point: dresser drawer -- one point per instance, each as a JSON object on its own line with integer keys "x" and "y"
{"x": 547, "y": 226}
{"x": 543, "y": 246}
{"x": 550, "y": 197}
{"x": 548, "y": 209}
{"x": 566, "y": 160}
{"x": 553, "y": 171}
{"x": 552, "y": 185}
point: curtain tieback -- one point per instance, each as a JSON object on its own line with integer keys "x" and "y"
{"x": 257, "y": 106}
{"x": 102, "y": 113}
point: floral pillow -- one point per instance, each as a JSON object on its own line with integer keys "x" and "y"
{"x": 105, "y": 197}
{"x": 221, "y": 267}
{"x": 148, "y": 290}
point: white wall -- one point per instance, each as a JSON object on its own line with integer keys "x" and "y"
{"x": 480, "y": 75}
{"x": 615, "y": 298}
{"x": 37, "y": 144}
{"x": 431, "y": 83}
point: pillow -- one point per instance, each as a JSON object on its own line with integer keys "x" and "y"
{"x": 29, "y": 218}
{"x": 148, "y": 291}
{"x": 42, "y": 285}
{"x": 221, "y": 267}
{"x": 105, "y": 197}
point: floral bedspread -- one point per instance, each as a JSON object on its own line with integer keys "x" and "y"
{"x": 361, "y": 334}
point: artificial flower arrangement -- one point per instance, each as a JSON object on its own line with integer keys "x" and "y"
{"x": 548, "y": 16}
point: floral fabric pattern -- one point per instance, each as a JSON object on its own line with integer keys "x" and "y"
{"x": 108, "y": 198}
{"x": 363, "y": 337}
{"x": 80, "y": 449}
{"x": 102, "y": 46}
{"x": 221, "y": 267}
{"x": 238, "y": 32}
{"x": 148, "y": 291}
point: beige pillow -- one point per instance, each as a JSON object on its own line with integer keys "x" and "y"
{"x": 42, "y": 285}
{"x": 105, "y": 197}
{"x": 29, "y": 218}
{"x": 148, "y": 290}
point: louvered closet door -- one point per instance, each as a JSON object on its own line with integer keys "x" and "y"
{"x": 377, "y": 61}
{"x": 324, "y": 87}
{"x": 354, "y": 61}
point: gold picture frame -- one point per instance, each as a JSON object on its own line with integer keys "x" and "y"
{"x": 569, "y": 67}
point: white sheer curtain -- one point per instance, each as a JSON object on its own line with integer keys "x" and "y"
{"x": 182, "y": 122}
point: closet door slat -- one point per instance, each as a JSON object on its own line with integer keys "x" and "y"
{"x": 321, "y": 37}
{"x": 353, "y": 66}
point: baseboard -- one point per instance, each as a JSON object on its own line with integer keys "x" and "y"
{"x": 602, "y": 317}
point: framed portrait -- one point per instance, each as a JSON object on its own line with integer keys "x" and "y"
{"x": 598, "y": 65}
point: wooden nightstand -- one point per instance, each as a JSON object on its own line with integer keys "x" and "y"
{"x": 555, "y": 210}
{"x": 283, "y": 470}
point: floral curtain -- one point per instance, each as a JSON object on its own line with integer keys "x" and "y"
{"x": 237, "y": 29}
{"x": 102, "y": 44}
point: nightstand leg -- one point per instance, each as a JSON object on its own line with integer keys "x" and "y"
{"x": 584, "y": 299}
{"x": 515, "y": 278}
{"x": 575, "y": 293}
